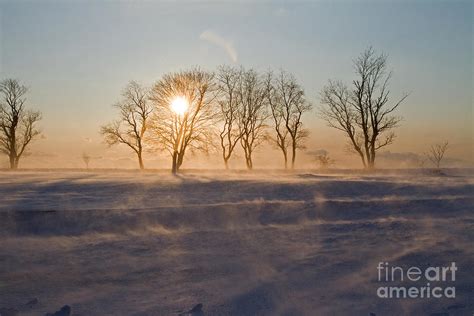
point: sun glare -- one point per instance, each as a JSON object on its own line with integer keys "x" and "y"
{"x": 179, "y": 105}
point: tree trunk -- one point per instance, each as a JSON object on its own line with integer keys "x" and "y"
{"x": 371, "y": 159}
{"x": 140, "y": 161}
{"x": 248, "y": 156}
{"x": 372, "y": 155}
{"x": 226, "y": 163}
{"x": 180, "y": 160}
{"x": 248, "y": 160}
{"x": 13, "y": 162}
{"x": 13, "y": 157}
{"x": 293, "y": 155}
{"x": 174, "y": 167}
{"x": 367, "y": 156}
{"x": 371, "y": 163}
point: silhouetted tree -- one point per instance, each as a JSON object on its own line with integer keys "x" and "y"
{"x": 288, "y": 104}
{"x": 363, "y": 113}
{"x": 17, "y": 124}
{"x": 86, "y": 158}
{"x": 253, "y": 112}
{"x": 176, "y": 131}
{"x": 228, "y": 80}
{"x": 130, "y": 128}
{"x": 281, "y": 140}
{"x": 324, "y": 160}
{"x": 436, "y": 153}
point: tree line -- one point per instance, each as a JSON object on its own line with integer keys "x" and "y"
{"x": 235, "y": 106}
{"x": 198, "y": 110}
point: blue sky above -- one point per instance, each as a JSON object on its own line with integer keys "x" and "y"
{"x": 76, "y": 56}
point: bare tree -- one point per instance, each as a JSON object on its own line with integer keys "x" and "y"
{"x": 436, "y": 153}
{"x": 17, "y": 124}
{"x": 130, "y": 128}
{"x": 281, "y": 139}
{"x": 363, "y": 113}
{"x": 324, "y": 160}
{"x": 86, "y": 158}
{"x": 228, "y": 80}
{"x": 253, "y": 113}
{"x": 288, "y": 104}
{"x": 184, "y": 113}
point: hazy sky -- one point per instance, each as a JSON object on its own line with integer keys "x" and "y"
{"x": 76, "y": 56}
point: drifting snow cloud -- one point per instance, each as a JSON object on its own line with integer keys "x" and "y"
{"x": 45, "y": 154}
{"x": 216, "y": 39}
{"x": 401, "y": 158}
{"x": 318, "y": 152}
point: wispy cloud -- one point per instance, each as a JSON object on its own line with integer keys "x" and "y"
{"x": 227, "y": 45}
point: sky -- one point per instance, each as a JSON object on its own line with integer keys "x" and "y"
{"x": 76, "y": 56}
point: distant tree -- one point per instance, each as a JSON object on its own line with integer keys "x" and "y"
{"x": 184, "y": 114}
{"x": 436, "y": 153}
{"x": 253, "y": 113}
{"x": 130, "y": 128}
{"x": 17, "y": 124}
{"x": 363, "y": 113}
{"x": 288, "y": 104}
{"x": 324, "y": 161}
{"x": 86, "y": 158}
{"x": 228, "y": 81}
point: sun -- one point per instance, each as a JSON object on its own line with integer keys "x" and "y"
{"x": 179, "y": 105}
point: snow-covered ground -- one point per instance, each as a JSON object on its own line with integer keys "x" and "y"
{"x": 263, "y": 243}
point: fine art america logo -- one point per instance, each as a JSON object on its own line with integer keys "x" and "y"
{"x": 444, "y": 276}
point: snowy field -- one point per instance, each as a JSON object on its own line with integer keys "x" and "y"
{"x": 125, "y": 243}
